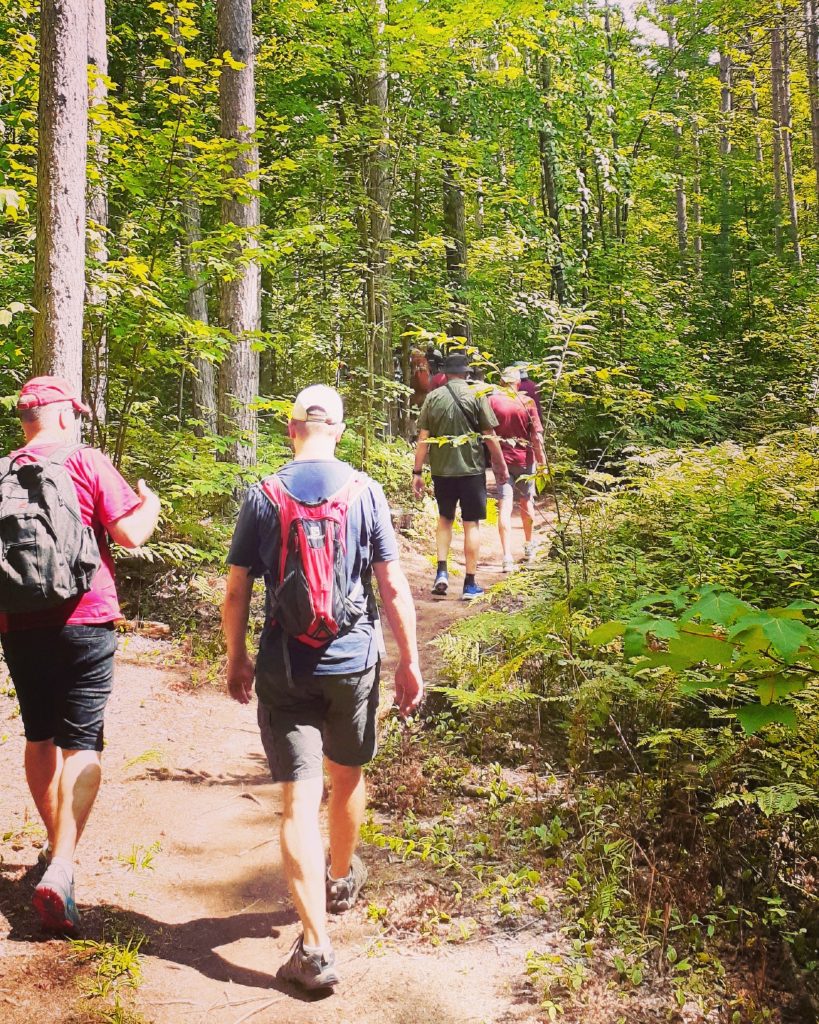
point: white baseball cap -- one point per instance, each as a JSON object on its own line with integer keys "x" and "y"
{"x": 511, "y": 375}
{"x": 318, "y": 404}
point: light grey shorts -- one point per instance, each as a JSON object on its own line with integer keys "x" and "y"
{"x": 323, "y": 716}
{"x": 518, "y": 489}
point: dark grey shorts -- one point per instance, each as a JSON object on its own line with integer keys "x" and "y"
{"x": 63, "y": 677}
{"x": 324, "y": 716}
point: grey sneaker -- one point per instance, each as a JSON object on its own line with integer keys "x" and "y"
{"x": 54, "y": 900}
{"x": 343, "y": 892}
{"x": 309, "y": 970}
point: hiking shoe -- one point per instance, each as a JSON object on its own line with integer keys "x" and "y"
{"x": 508, "y": 564}
{"x": 471, "y": 591}
{"x": 309, "y": 970}
{"x": 343, "y": 892}
{"x": 530, "y": 552}
{"x": 441, "y": 583}
{"x": 54, "y": 900}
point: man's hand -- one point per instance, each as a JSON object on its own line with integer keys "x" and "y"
{"x": 240, "y": 672}
{"x": 409, "y": 687}
{"x": 418, "y": 486}
{"x": 146, "y": 494}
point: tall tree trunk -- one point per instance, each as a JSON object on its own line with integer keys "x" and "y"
{"x": 240, "y": 296}
{"x": 379, "y": 314}
{"x": 615, "y": 135}
{"x": 782, "y": 125}
{"x": 59, "y": 266}
{"x": 679, "y": 187}
{"x": 454, "y": 232}
{"x": 812, "y": 42}
{"x": 776, "y": 109}
{"x": 549, "y": 200}
{"x": 95, "y": 350}
{"x": 204, "y": 381}
{"x": 726, "y": 108}
{"x": 696, "y": 202}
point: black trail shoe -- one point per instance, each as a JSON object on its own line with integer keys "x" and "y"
{"x": 310, "y": 971}
{"x": 343, "y": 892}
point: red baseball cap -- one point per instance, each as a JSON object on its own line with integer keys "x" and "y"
{"x": 45, "y": 390}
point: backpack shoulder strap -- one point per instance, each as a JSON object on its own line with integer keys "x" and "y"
{"x": 472, "y": 426}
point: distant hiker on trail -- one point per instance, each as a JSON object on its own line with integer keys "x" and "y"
{"x": 458, "y": 469}
{"x": 521, "y": 438}
{"x": 529, "y": 388}
{"x": 318, "y": 530}
{"x": 58, "y": 606}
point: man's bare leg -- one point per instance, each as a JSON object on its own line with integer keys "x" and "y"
{"x": 443, "y": 538}
{"x": 346, "y": 809}
{"x": 303, "y": 856}
{"x": 43, "y": 764}
{"x": 505, "y": 506}
{"x": 527, "y": 516}
{"x": 79, "y": 783}
{"x": 472, "y": 546}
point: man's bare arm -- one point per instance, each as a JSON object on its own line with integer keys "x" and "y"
{"x": 133, "y": 529}
{"x": 235, "y": 615}
{"x": 399, "y": 608}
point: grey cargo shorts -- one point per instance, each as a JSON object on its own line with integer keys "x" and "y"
{"x": 323, "y": 716}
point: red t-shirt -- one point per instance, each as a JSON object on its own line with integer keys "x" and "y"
{"x": 104, "y": 497}
{"x": 438, "y": 381}
{"x": 518, "y": 422}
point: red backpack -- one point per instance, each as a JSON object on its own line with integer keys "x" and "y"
{"x": 313, "y": 600}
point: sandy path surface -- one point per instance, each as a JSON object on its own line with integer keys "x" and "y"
{"x": 182, "y": 848}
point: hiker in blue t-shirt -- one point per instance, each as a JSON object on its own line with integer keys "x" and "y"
{"x": 318, "y": 698}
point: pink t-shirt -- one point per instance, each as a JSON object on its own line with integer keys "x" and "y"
{"x": 518, "y": 422}
{"x": 104, "y": 497}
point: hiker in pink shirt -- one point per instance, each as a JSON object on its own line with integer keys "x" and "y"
{"x": 521, "y": 437}
{"x": 60, "y": 652}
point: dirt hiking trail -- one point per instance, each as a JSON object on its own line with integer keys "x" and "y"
{"x": 183, "y": 848}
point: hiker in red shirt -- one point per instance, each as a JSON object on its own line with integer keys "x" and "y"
{"x": 521, "y": 436}
{"x": 61, "y": 657}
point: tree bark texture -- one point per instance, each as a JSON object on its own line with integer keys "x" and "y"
{"x": 776, "y": 107}
{"x": 454, "y": 234}
{"x": 812, "y": 43}
{"x": 240, "y": 295}
{"x": 59, "y": 270}
{"x": 95, "y": 349}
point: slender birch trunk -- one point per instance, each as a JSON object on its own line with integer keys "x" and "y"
{"x": 59, "y": 265}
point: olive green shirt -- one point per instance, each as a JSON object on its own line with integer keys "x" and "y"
{"x": 442, "y": 417}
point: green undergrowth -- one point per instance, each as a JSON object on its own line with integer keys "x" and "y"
{"x": 655, "y": 683}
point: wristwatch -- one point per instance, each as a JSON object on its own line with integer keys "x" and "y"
{"x": 418, "y": 472}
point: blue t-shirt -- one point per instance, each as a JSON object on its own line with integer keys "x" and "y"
{"x": 256, "y": 547}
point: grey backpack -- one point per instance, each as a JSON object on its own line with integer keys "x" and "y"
{"x": 47, "y": 553}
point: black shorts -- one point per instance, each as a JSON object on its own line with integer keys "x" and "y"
{"x": 304, "y": 721}
{"x": 470, "y": 491}
{"x": 63, "y": 677}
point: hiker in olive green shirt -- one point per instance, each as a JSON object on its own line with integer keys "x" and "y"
{"x": 460, "y": 414}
